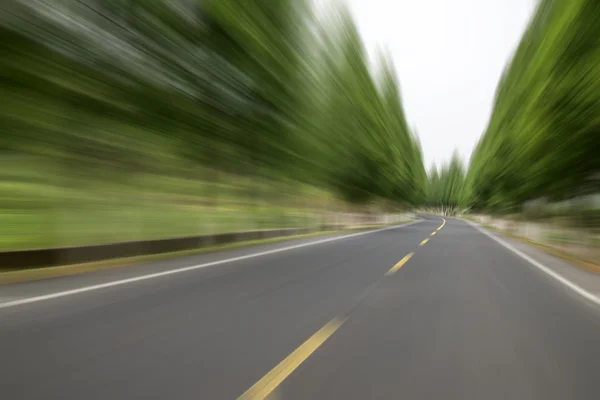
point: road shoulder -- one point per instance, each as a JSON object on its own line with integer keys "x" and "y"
{"x": 585, "y": 282}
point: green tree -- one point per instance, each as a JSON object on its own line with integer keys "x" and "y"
{"x": 543, "y": 139}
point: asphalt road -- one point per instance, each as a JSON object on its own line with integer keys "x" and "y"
{"x": 353, "y": 318}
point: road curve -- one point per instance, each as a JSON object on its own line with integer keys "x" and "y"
{"x": 434, "y": 310}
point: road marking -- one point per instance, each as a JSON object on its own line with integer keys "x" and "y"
{"x": 442, "y": 225}
{"x": 265, "y": 386}
{"x": 433, "y": 233}
{"x": 423, "y": 242}
{"x": 581, "y": 291}
{"x": 396, "y": 267}
{"x": 145, "y": 277}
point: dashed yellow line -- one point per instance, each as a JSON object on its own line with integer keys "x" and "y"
{"x": 442, "y": 225}
{"x": 271, "y": 381}
{"x": 267, "y": 384}
{"x": 396, "y": 267}
{"x": 433, "y": 233}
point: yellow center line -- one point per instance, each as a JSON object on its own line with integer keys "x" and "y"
{"x": 268, "y": 383}
{"x": 271, "y": 381}
{"x": 396, "y": 267}
{"x": 433, "y": 233}
{"x": 442, "y": 225}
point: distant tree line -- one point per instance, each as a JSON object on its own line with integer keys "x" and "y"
{"x": 446, "y": 190}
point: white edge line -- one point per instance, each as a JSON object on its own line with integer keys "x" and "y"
{"x": 581, "y": 291}
{"x": 84, "y": 289}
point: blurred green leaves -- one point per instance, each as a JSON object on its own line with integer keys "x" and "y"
{"x": 261, "y": 87}
{"x": 543, "y": 140}
{"x": 447, "y": 192}
{"x": 124, "y": 93}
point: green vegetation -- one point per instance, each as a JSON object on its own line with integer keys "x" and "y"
{"x": 133, "y": 119}
{"x": 543, "y": 140}
{"x": 446, "y": 189}
{"x": 540, "y": 155}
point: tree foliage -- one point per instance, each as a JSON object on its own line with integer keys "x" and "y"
{"x": 260, "y": 88}
{"x": 446, "y": 189}
{"x": 543, "y": 140}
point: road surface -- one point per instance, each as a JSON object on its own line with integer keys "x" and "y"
{"x": 431, "y": 310}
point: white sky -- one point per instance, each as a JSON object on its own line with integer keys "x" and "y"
{"x": 449, "y": 55}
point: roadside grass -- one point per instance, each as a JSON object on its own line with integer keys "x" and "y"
{"x": 39, "y": 207}
{"x": 21, "y": 229}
